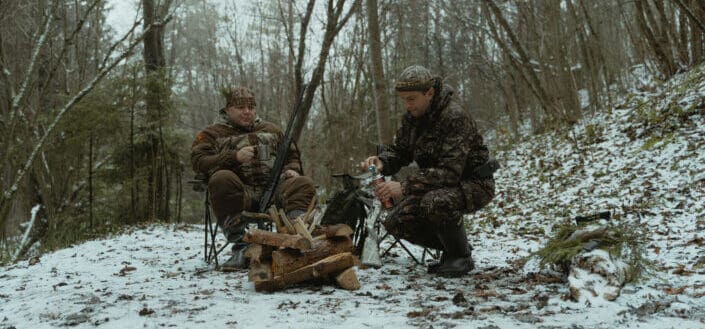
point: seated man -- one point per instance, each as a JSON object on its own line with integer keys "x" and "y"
{"x": 237, "y": 153}
{"x": 443, "y": 140}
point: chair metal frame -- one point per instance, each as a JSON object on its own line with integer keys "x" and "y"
{"x": 435, "y": 254}
{"x": 210, "y": 229}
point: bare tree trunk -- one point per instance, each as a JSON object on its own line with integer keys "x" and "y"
{"x": 384, "y": 131}
{"x": 156, "y": 99}
{"x": 524, "y": 68}
{"x": 334, "y": 22}
{"x": 592, "y": 72}
{"x": 696, "y": 35}
{"x": 109, "y": 62}
{"x": 643, "y": 13}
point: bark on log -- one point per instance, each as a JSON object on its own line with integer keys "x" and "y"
{"x": 277, "y": 239}
{"x": 285, "y": 261}
{"x": 348, "y": 280}
{"x": 336, "y": 230}
{"x": 321, "y": 269}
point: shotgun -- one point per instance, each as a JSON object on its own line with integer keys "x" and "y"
{"x": 282, "y": 156}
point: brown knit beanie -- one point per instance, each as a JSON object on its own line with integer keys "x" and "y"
{"x": 239, "y": 96}
{"x": 415, "y": 78}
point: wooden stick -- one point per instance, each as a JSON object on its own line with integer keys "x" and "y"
{"x": 301, "y": 229}
{"x": 287, "y": 223}
{"x": 281, "y": 228}
{"x": 311, "y": 206}
{"x": 277, "y": 239}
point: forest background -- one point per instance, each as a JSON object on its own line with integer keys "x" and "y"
{"x": 98, "y": 117}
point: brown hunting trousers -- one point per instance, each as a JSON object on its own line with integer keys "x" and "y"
{"x": 230, "y": 196}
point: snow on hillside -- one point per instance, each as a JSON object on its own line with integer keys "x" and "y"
{"x": 644, "y": 161}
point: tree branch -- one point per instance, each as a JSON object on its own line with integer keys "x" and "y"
{"x": 690, "y": 14}
{"x": 9, "y": 194}
{"x": 30, "y": 68}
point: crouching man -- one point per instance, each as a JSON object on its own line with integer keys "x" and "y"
{"x": 453, "y": 179}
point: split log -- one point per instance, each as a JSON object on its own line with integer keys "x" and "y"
{"x": 277, "y": 239}
{"x": 348, "y": 280}
{"x": 321, "y": 269}
{"x": 287, "y": 223}
{"x": 258, "y": 253}
{"x": 301, "y": 229}
{"x": 260, "y": 271}
{"x": 288, "y": 260}
{"x": 336, "y": 230}
{"x": 274, "y": 214}
{"x": 307, "y": 215}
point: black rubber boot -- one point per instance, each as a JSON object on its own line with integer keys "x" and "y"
{"x": 433, "y": 267}
{"x": 234, "y": 231}
{"x": 457, "y": 254}
{"x": 238, "y": 260}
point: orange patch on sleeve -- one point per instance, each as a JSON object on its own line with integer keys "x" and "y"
{"x": 199, "y": 138}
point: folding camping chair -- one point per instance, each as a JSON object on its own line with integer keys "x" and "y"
{"x": 397, "y": 241}
{"x": 353, "y": 205}
{"x": 210, "y": 229}
{"x": 434, "y": 254}
{"x": 210, "y": 244}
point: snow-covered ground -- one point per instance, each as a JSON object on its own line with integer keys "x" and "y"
{"x": 644, "y": 166}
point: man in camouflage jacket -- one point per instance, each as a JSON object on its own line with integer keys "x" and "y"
{"x": 443, "y": 140}
{"x": 237, "y": 153}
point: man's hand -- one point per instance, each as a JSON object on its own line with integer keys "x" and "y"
{"x": 245, "y": 154}
{"x": 373, "y": 160}
{"x": 290, "y": 173}
{"x": 388, "y": 190}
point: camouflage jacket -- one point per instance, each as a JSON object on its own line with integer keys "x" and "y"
{"x": 444, "y": 142}
{"x": 215, "y": 147}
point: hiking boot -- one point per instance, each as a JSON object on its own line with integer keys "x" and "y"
{"x": 238, "y": 260}
{"x": 457, "y": 254}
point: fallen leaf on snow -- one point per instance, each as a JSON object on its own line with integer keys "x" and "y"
{"x": 675, "y": 291}
{"x": 126, "y": 269}
{"x": 696, "y": 241}
{"x": 486, "y": 293}
{"x": 682, "y": 271}
{"x": 146, "y": 311}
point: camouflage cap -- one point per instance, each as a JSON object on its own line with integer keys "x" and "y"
{"x": 415, "y": 78}
{"x": 239, "y": 96}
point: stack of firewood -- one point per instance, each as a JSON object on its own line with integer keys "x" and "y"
{"x": 299, "y": 253}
